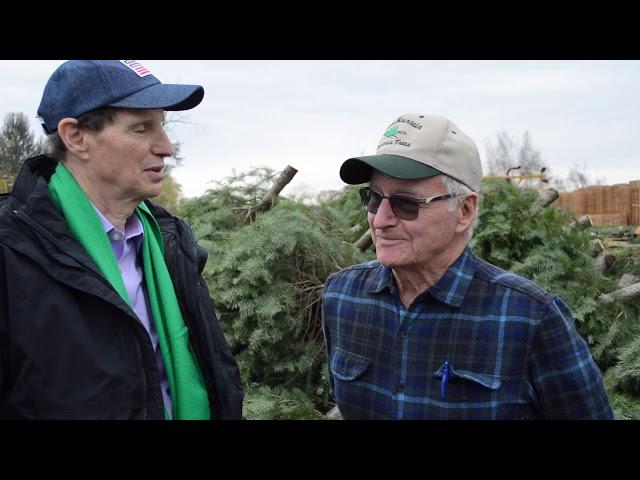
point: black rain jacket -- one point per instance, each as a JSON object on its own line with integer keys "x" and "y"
{"x": 70, "y": 347}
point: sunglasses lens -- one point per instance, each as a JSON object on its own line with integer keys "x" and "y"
{"x": 405, "y": 208}
{"x": 370, "y": 200}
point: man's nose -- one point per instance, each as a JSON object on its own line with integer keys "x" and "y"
{"x": 163, "y": 146}
{"x": 385, "y": 216}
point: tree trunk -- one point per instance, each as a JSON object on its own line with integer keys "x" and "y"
{"x": 283, "y": 179}
{"x": 625, "y": 293}
{"x": 549, "y": 196}
{"x": 365, "y": 241}
{"x": 626, "y": 280}
{"x": 267, "y": 201}
{"x": 354, "y": 229}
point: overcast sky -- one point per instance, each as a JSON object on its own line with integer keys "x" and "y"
{"x": 313, "y": 115}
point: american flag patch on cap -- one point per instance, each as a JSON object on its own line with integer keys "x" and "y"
{"x": 137, "y": 67}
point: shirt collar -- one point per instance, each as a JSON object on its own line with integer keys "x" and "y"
{"x": 132, "y": 227}
{"x": 381, "y": 278}
{"x": 450, "y": 289}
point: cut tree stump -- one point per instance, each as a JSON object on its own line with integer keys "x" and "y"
{"x": 604, "y": 261}
{"x": 596, "y": 247}
{"x": 582, "y": 222}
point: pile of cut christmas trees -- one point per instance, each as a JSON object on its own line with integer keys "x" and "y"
{"x": 269, "y": 257}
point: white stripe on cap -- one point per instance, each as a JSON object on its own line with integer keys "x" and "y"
{"x": 137, "y": 67}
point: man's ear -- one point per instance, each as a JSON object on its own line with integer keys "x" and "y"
{"x": 74, "y": 138}
{"x": 468, "y": 210}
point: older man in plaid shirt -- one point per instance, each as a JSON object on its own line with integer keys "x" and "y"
{"x": 429, "y": 330}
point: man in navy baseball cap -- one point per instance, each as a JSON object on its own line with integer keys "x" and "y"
{"x": 80, "y": 86}
{"x": 100, "y": 287}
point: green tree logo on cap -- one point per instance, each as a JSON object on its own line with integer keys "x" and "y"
{"x": 393, "y": 132}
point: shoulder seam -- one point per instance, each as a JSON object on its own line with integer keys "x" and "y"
{"x": 536, "y": 292}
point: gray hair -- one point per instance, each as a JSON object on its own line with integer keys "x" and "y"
{"x": 94, "y": 121}
{"x": 454, "y": 187}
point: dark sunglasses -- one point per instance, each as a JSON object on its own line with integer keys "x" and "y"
{"x": 404, "y": 207}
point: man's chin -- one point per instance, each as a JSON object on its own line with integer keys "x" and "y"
{"x": 391, "y": 261}
{"x": 153, "y": 193}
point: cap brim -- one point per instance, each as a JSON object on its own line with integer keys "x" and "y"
{"x": 359, "y": 169}
{"x": 166, "y": 96}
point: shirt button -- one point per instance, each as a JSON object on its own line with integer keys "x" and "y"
{"x": 405, "y": 335}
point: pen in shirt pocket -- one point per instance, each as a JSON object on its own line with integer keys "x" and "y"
{"x": 445, "y": 379}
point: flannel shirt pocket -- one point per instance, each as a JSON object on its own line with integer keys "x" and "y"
{"x": 464, "y": 385}
{"x": 348, "y": 366}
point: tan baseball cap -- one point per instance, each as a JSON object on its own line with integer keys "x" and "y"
{"x": 419, "y": 146}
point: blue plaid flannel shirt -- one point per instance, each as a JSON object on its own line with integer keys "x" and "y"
{"x": 482, "y": 343}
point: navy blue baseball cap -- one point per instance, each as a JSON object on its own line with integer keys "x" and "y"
{"x": 80, "y": 86}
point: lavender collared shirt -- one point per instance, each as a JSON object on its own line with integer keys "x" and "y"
{"x": 126, "y": 247}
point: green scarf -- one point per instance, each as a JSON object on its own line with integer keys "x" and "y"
{"x": 188, "y": 394}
